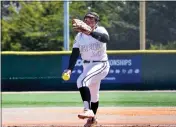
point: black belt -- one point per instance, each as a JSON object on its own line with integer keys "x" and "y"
{"x": 94, "y": 61}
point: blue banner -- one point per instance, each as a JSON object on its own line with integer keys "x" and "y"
{"x": 123, "y": 69}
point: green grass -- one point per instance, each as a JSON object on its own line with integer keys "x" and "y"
{"x": 73, "y": 99}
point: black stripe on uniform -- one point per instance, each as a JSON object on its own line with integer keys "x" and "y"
{"x": 94, "y": 73}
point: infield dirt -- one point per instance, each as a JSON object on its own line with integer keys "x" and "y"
{"x": 107, "y": 117}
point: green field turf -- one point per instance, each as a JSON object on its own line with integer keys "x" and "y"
{"x": 118, "y": 98}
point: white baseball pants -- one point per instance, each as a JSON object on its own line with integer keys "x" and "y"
{"x": 91, "y": 77}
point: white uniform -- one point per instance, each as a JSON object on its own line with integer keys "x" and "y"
{"x": 91, "y": 50}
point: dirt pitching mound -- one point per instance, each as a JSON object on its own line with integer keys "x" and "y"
{"x": 107, "y": 117}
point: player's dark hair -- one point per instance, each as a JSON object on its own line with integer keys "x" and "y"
{"x": 93, "y": 14}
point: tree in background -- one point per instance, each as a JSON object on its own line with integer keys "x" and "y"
{"x": 38, "y": 26}
{"x": 124, "y": 30}
{"x": 161, "y": 24}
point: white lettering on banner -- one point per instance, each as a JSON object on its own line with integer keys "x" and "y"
{"x": 124, "y": 71}
{"x": 117, "y": 71}
{"x": 109, "y": 78}
{"x": 114, "y": 71}
{"x": 73, "y": 71}
{"x": 136, "y": 71}
{"x": 130, "y": 71}
{"x": 79, "y": 62}
{"x": 111, "y": 71}
{"x": 79, "y": 71}
{"x": 117, "y": 62}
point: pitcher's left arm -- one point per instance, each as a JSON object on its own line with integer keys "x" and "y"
{"x": 100, "y": 36}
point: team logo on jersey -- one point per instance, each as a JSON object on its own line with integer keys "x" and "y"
{"x": 94, "y": 47}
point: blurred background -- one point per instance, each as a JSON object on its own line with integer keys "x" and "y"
{"x": 39, "y": 26}
{"x": 34, "y": 37}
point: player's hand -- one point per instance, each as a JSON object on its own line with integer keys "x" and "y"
{"x": 66, "y": 74}
{"x": 67, "y": 71}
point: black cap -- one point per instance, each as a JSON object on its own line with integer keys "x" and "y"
{"x": 92, "y": 14}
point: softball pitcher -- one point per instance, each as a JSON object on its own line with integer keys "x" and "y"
{"x": 91, "y": 45}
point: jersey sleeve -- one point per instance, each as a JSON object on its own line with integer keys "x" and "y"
{"x": 100, "y": 34}
{"x": 102, "y": 30}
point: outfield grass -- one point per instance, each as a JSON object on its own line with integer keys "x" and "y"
{"x": 135, "y": 98}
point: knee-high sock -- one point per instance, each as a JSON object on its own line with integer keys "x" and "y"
{"x": 94, "y": 106}
{"x": 85, "y": 94}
